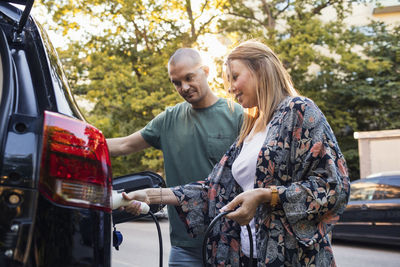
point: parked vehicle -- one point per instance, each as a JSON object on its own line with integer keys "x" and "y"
{"x": 373, "y": 212}
{"x": 55, "y": 172}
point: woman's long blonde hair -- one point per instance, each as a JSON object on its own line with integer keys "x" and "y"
{"x": 272, "y": 83}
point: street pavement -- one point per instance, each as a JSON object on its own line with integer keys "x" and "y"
{"x": 140, "y": 249}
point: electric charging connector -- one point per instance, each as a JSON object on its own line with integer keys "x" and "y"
{"x": 119, "y": 201}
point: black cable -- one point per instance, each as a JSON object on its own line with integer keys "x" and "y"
{"x": 251, "y": 244}
{"x": 159, "y": 237}
{"x": 213, "y": 222}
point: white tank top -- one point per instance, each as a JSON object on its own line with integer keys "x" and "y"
{"x": 244, "y": 172}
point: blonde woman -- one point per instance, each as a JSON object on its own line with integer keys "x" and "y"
{"x": 284, "y": 175}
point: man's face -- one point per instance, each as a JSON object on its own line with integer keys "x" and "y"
{"x": 190, "y": 80}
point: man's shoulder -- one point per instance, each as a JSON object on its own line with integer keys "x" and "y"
{"x": 165, "y": 121}
{"x": 229, "y": 105}
{"x": 237, "y": 108}
{"x": 177, "y": 108}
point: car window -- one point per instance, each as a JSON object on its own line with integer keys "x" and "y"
{"x": 362, "y": 191}
{"x": 375, "y": 189}
{"x": 65, "y": 101}
{"x": 387, "y": 192}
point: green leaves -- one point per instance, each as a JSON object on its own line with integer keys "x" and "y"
{"x": 352, "y": 73}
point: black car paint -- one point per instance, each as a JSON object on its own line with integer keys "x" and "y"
{"x": 375, "y": 218}
{"x": 38, "y": 232}
{"x": 33, "y": 230}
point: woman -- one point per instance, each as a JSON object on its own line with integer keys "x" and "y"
{"x": 285, "y": 170}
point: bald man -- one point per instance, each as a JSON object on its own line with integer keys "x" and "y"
{"x": 193, "y": 136}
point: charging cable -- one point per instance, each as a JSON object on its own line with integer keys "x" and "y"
{"x": 209, "y": 228}
{"x": 160, "y": 246}
{"x": 119, "y": 201}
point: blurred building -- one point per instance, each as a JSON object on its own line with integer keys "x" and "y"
{"x": 387, "y": 11}
{"x": 379, "y": 151}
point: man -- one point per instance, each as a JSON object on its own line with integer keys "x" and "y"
{"x": 193, "y": 136}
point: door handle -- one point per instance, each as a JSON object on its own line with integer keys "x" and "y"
{"x": 364, "y": 206}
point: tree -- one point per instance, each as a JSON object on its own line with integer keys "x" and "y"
{"x": 364, "y": 87}
{"x": 352, "y": 74}
{"x": 121, "y": 67}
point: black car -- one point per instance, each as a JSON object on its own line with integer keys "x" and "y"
{"x": 55, "y": 171}
{"x": 373, "y": 212}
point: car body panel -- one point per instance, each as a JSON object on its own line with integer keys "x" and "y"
{"x": 373, "y": 212}
{"x": 81, "y": 237}
{"x": 35, "y": 231}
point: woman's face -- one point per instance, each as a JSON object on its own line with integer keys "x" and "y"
{"x": 242, "y": 84}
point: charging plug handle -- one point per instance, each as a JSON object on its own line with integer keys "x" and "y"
{"x": 118, "y": 201}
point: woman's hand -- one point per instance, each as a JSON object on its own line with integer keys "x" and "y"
{"x": 248, "y": 202}
{"x": 134, "y": 207}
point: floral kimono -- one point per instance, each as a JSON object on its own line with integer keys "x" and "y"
{"x": 300, "y": 155}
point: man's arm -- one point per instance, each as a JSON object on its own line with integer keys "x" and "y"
{"x": 126, "y": 145}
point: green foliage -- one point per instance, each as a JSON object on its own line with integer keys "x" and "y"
{"x": 355, "y": 80}
{"x": 121, "y": 68}
{"x": 352, "y": 74}
{"x": 361, "y": 91}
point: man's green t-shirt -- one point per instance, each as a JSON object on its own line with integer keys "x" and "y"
{"x": 192, "y": 141}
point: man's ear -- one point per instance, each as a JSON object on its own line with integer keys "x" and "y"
{"x": 206, "y": 70}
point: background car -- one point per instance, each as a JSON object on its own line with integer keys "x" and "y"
{"x": 373, "y": 212}
{"x": 55, "y": 171}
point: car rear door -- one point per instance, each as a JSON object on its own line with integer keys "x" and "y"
{"x": 69, "y": 222}
{"x": 19, "y": 141}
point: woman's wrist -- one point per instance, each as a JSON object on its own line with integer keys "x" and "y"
{"x": 274, "y": 196}
{"x": 264, "y": 195}
{"x": 152, "y": 195}
{"x": 163, "y": 196}
{"x": 268, "y": 195}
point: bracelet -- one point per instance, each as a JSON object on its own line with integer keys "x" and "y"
{"x": 274, "y": 196}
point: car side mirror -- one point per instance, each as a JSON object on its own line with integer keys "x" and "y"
{"x": 133, "y": 182}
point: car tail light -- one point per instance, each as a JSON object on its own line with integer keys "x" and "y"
{"x": 75, "y": 166}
